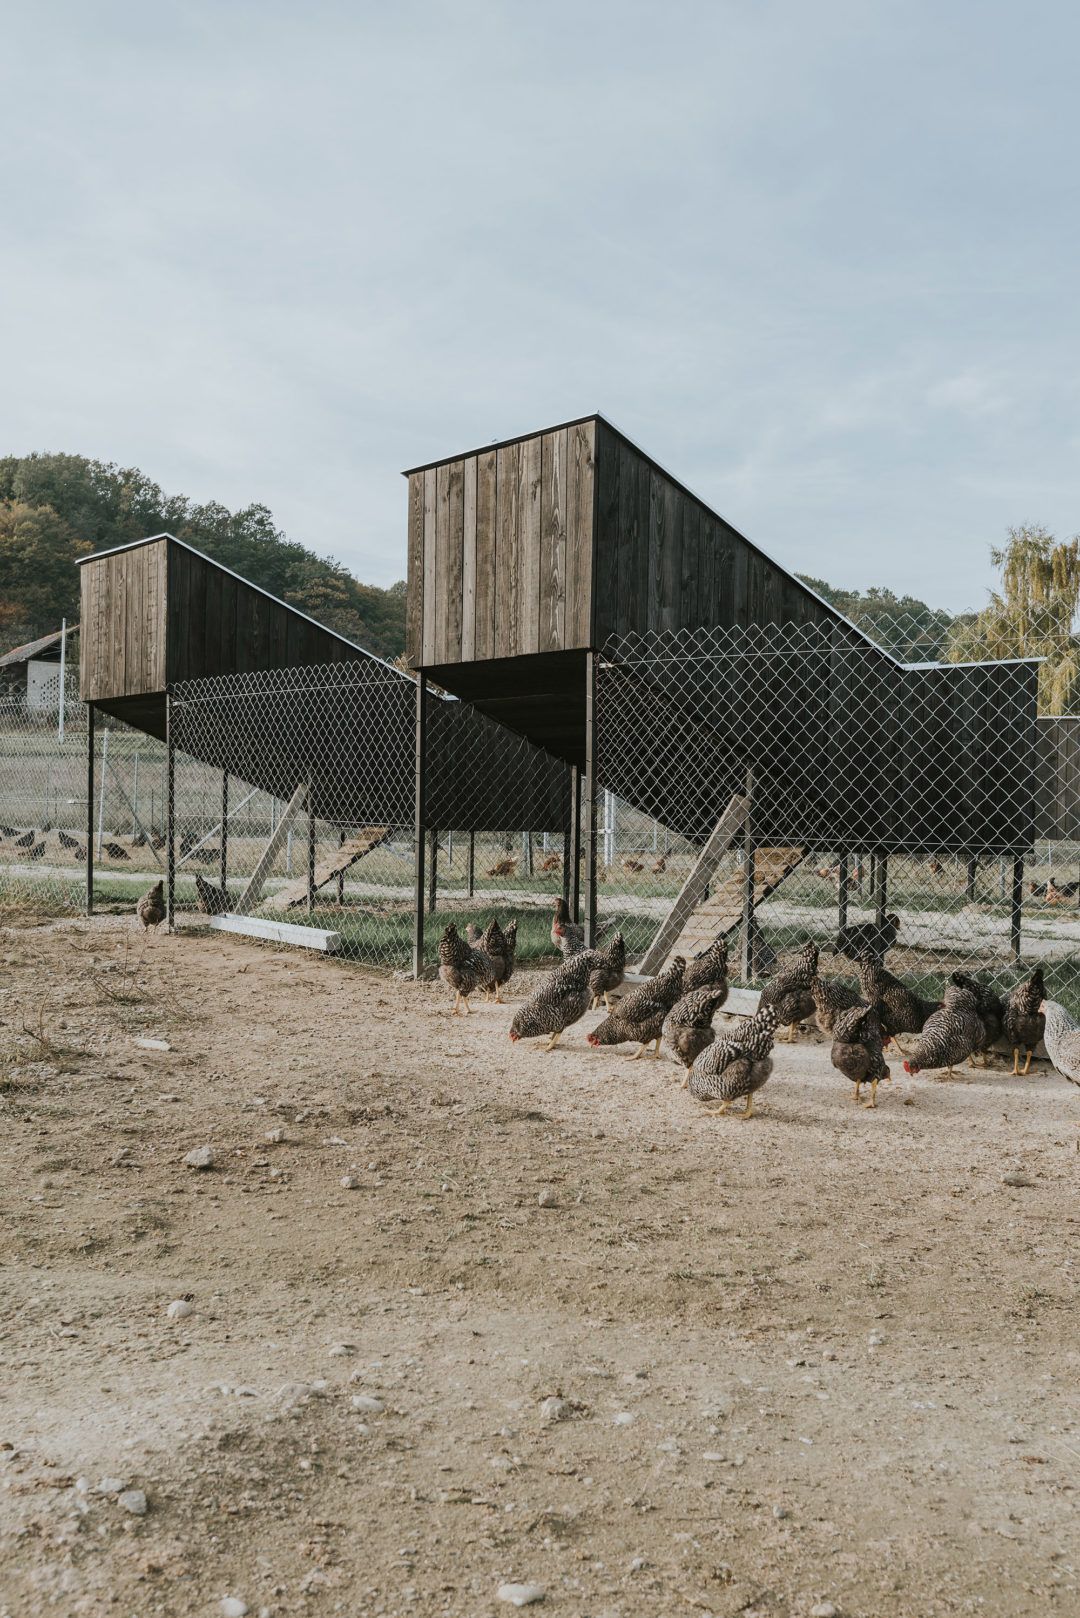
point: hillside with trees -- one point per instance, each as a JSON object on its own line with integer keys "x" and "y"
{"x": 57, "y": 508}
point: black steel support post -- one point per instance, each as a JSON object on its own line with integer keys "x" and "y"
{"x": 1017, "y": 916}
{"x": 90, "y": 712}
{"x": 881, "y": 887}
{"x": 433, "y": 871}
{"x": 471, "y": 872}
{"x": 574, "y": 899}
{"x": 842, "y": 893}
{"x": 567, "y": 846}
{"x": 310, "y": 847}
{"x": 589, "y": 806}
{"x": 224, "y": 830}
{"x": 170, "y": 818}
{"x": 419, "y": 827}
{"x": 748, "y": 962}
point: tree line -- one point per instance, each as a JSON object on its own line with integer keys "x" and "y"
{"x": 55, "y": 509}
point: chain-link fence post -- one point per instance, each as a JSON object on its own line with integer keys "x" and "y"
{"x": 420, "y": 823}
{"x": 590, "y": 799}
{"x": 170, "y": 817}
{"x": 90, "y": 718}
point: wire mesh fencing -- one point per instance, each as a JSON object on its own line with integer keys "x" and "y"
{"x": 774, "y": 784}
{"x": 498, "y": 814}
{"x": 49, "y": 816}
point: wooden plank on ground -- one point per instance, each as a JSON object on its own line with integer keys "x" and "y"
{"x": 250, "y": 896}
{"x": 721, "y": 838}
{"x": 278, "y": 932}
{"x": 339, "y": 861}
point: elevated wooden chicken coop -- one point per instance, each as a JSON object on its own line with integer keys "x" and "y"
{"x": 292, "y": 708}
{"x": 537, "y": 561}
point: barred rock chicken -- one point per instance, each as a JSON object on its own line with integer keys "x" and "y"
{"x": 789, "y": 991}
{"x": 640, "y": 1014}
{"x": 561, "y": 999}
{"x": 991, "y": 1013}
{"x": 1062, "y": 1038}
{"x": 151, "y": 907}
{"x": 609, "y": 974}
{"x": 509, "y": 951}
{"x": 856, "y": 1050}
{"x": 26, "y": 840}
{"x": 463, "y": 969}
{"x": 67, "y": 841}
{"x": 491, "y": 944}
{"x": 900, "y": 1010}
{"x": 688, "y": 1025}
{"x": 709, "y": 969}
{"x": 867, "y": 935}
{"x": 212, "y": 901}
{"x": 1024, "y": 1022}
{"x": 950, "y": 1035}
{"x": 737, "y": 1065}
{"x": 831, "y": 997}
{"x": 116, "y": 852}
{"x": 568, "y": 936}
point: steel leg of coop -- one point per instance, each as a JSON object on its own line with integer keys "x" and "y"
{"x": 1017, "y": 916}
{"x": 170, "y": 818}
{"x": 590, "y": 799}
{"x": 433, "y": 872}
{"x": 748, "y": 962}
{"x": 574, "y": 896}
{"x": 310, "y": 849}
{"x": 419, "y": 819}
{"x": 471, "y": 873}
{"x": 881, "y": 883}
{"x": 90, "y": 712}
{"x": 224, "y": 872}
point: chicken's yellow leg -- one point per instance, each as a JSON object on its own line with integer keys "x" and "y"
{"x": 748, "y": 1111}
{"x": 858, "y": 1088}
{"x": 1027, "y": 1064}
{"x": 873, "y": 1094}
{"x": 656, "y": 1049}
{"x": 553, "y": 1041}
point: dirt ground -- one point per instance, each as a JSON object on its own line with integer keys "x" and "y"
{"x": 824, "y": 1360}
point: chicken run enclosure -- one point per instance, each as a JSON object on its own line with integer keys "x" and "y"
{"x": 612, "y": 696}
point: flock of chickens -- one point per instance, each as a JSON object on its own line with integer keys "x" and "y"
{"x": 677, "y": 1008}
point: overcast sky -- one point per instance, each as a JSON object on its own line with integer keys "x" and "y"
{"x": 820, "y": 260}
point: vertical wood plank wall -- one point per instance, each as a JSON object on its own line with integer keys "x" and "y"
{"x": 504, "y": 560}
{"x": 158, "y": 613}
{"x": 501, "y": 550}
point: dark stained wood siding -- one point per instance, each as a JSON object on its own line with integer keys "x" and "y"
{"x": 561, "y": 540}
{"x": 511, "y": 574}
{"x": 122, "y": 642}
{"x": 665, "y": 560}
{"x": 158, "y": 613}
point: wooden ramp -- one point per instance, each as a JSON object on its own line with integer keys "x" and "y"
{"x": 368, "y": 838}
{"x": 722, "y": 911}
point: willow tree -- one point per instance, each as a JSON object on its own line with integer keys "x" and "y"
{"x": 1032, "y": 614}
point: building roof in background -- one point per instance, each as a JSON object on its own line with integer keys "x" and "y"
{"x": 34, "y": 648}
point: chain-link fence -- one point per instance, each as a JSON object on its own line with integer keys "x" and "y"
{"x": 768, "y": 783}
{"x": 799, "y": 782}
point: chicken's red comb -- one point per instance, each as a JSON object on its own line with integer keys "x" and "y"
{"x": 911, "y": 1067}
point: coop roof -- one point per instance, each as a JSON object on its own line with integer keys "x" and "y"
{"x": 35, "y": 648}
